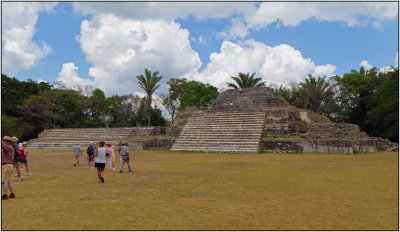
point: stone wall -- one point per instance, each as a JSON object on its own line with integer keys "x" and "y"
{"x": 276, "y": 130}
{"x": 173, "y": 130}
{"x": 182, "y": 116}
{"x": 151, "y": 143}
{"x": 148, "y": 131}
{"x": 247, "y": 99}
{"x": 334, "y": 130}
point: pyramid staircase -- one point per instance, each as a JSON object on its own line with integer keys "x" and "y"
{"x": 230, "y": 132}
{"x": 66, "y": 139}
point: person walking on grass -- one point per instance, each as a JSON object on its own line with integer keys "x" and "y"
{"x": 90, "y": 153}
{"x": 17, "y": 158}
{"x": 110, "y": 156}
{"x": 77, "y": 153}
{"x": 7, "y": 158}
{"x": 100, "y": 160}
{"x": 24, "y": 161}
{"x": 125, "y": 157}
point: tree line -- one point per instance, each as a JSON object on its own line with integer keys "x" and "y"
{"x": 368, "y": 98}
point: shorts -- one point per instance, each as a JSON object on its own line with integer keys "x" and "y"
{"x": 17, "y": 159}
{"x": 90, "y": 158}
{"x": 6, "y": 173}
{"x": 77, "y": 155}
{"x": 99, "y": 165}
{"x": 24, "y": 160}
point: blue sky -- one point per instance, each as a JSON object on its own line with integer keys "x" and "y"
{"x": 106, "y": 45}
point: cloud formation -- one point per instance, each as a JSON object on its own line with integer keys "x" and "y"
{"x": 294, "y": 13}
{"x": 18, "y": 28}
{"x": 120, "y": 49}
{"x": 277, "y": 65}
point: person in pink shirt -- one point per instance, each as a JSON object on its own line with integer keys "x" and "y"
{"x": 110, "y": 156}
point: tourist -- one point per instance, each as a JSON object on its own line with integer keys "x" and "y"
{"x": 125, "y": 157}
{"x": 77, "y": 153}
{"x": 7, "y": 159}
{"x": 24, "y": 161}
{"x": 100, "y": 160}
{"x": 17, "y": 158}
{"x": 90, "y": 153}
{"x": 110, "y": 156}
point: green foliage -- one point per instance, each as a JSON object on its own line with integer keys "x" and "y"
{"x": 184, "y": 93}
{"x": 198, "y": 95}
{"x": 245, "y": 80}
{"x": 156, "y": 115}
{"x": 14, "y": 93}
{"x": 148, "y": 83}
{"x": 383, "y": 118}
{"x": 315, "y": 94}
{"x": 121, "y": 112}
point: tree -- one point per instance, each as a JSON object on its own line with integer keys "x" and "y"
{"x": 184, "y": 93}
{"x": 245, "y": 81}
{"x": 121, "y": 110}
{"x": 156, "y": 115}
{"x": 198, "y": 95}
{"x": 148, "y": 83}
{"x": 316, "y": 93}
{"x": 383, "y": 118}
{"x": 170, "y": 105}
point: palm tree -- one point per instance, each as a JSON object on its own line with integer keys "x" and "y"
{"x": 148, "y": 83}
{"x": 245, "y": 81}
{"x": 316, "y": 92}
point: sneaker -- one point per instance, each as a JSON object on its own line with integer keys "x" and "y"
{"x": 130, "y": 170}
{"x": 21, "y": 169}
{"x": 75, "y": 165}
{"x": 16, "y": 174}
{"x": 12, "y": 195}
{"x": 120, "y": 171}
{"x": 113, "y": 169}
{"x": 102, "y": 180}
{"x": 28, "y": 174}
{"x": 21, "y": 178}
{"x": 4, "y": 197}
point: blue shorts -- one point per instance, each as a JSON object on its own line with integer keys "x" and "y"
{"x": 23, "y": 160}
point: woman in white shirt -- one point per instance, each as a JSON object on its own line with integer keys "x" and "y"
{"x": 100, "y": 160}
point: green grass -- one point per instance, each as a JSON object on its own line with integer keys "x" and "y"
{"x": 195, "y": 191}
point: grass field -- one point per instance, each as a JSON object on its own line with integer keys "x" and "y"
{"x": 195, "y": 191}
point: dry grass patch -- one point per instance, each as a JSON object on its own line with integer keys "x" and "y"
{"x": 195, "y": 191}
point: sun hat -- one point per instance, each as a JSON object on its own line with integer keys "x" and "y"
{"x": 7, "y": 138}
{"x": 24, "y": 143}
{"x": 14, "y": 139}
{"x": 108, "y": 144}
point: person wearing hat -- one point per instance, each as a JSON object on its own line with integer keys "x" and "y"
{"x": 110, "y": 156}
{"x": 7, "y": 158}
{"x": 24, "y": 161}
{"x": 17, "y": 158}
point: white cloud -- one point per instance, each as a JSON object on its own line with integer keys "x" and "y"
{"x": 281, "y": 64}
{"x": 70, "y": 77}
{"x": 18, "y": 28}
{"x": 294, "y": 13}
{"x": 366, "y": 65}
{"x": 120, "y": 49}
{"x": 165, "y": 10}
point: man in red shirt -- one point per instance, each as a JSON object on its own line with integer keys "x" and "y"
{"x": 7, "y": 158}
